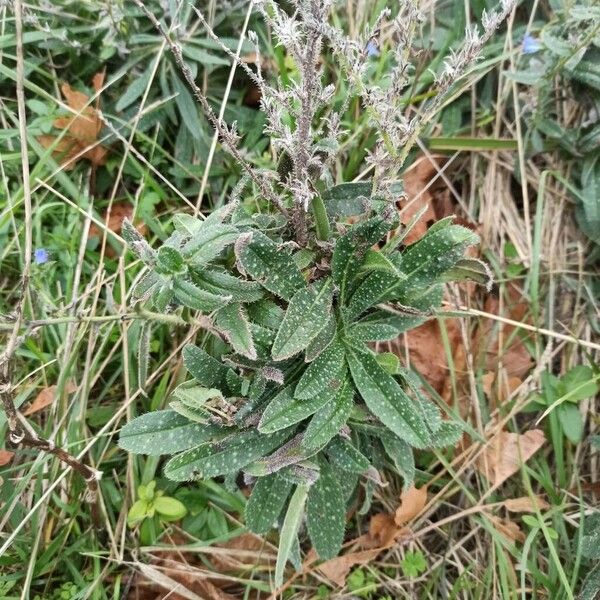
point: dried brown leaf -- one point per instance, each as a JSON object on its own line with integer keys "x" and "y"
{"x": 526, "y": 504}
{"x": 506, "y": 452}
{"x": 5, "y": 457}
{"x": 46, "y": 397}
{"x": 412, "y": 502}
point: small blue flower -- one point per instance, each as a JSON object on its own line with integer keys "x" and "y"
{"x": 41, "y": 256}
{"x": 531, "y": 45}
{"x": 372, "y": 49}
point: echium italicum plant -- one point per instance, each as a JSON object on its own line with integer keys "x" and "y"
{"x": 296, "y": 279}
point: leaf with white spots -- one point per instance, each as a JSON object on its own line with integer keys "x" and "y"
{"x": 204, "y": 368}
{"x": 212, "y": 460}
{"x": 328, "y": 420}
{"x": 386, "y": 399}
{"x": 285, "y": 410}
{"x": 402, "y": 455}
{"x": 307, "y": 313}
{"x": 232, "y": 322}
{"x": 326, "y": 513}
{"x": 325, "y": 373}
{"x": 350, "y": 251}
{"x": 163, "y": 432}
{"x": 346, "y": 457}
{"x": 269, "y": 264}
{"x": 322, "y": 340}
{"x": 266, "y": 502}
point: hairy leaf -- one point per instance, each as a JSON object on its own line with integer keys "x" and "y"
{"x": 327, "y": 421}
{"x": 194, "y": 297}
{"x": 345, "y": 456}
{"x": 163, "y": 432}
{"x": 386, "y": 399}
{"x": 208, "y": 243}
{"x": 222, "y": 283}
{"x": 326, "y": 513}
{"x": 324, "y": 373}
{"x": 204, "y": 368}
{"x": 232, "y": 322}
{"x": 266, "y": 501}
{"x": 285, "y": 410}
{"x": 268, "y": 264}
{"x": 307, "y": 313}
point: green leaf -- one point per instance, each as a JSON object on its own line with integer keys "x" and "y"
{"x": 327, "y": 421}
{"x": 325, "y": 373}
{"x": 402, "y": 456}
{"x": 350, "y": 251}
{"x": 204, "y": 368}
{"x": 578, "y": 384}
{"x": 266, "y": 314}
{"x": 289, "y": 531}
{"x": 232, "y": 322}
{"x": 345, "y": 456}
{"x": 135, "y": 89}
{"x": 208, "y": 243}
{"x": 138, "y": 512}
{"x": 187, "y": 107}
{"x": 389, "y": 361}
{"x": 222, "y": 283}
{"x": 266, "y": 501}
{"x": 470, "y": 269}
{"x": 163, "y": 432}
{"x": 169, "y": 261}
{"x": 146, "y": 285}
{"x": 306, "y": 315}
{"x": 571, "y": 421}
{"x": 322, "y": 340}
{"x": 424, "y": 262}
{"x": 169, "y": 508}
{"x": 192, "y": 296}
{"x": 212, "y": 460}
{"x": 376, "y": 288}
{"x": 195, "y": 396}
{"x": 347, "y": 199}
{"x": 270, "y": 265}
{"x": 386, "y": 399}
{"x": 285, "y": 410}
{"x": 448, "y": 434}
{"x": 326, "y": 514}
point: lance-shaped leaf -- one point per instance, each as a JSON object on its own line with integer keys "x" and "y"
{"x": 189, "y": 294}
{"x": 386, "y": 399}
{"x": 322, "y": 340}
{"x": 402, "y": 455}
{"x": 169, "y": 261}
{"x": 307, "y": 313}
{"x": 327, "y": 421}
{"x": 448, "y": 434}
{"x": 266, "y": 314}
{"x": 285, "y": 410}
{"x": 268, "y": 264}
{"x": 347, "y": 199}
{"x": 163, "y": 432}
{"x": 204, "y": 368}
{"x": 208, "y": 243}
{"x": 232, "y": 322}
{"x": 325, "y": 373}
{"x": 326, "y": 513}
{"x": 374, "y": 289}
{"x": 350, "y": 250}
{"x": 425, "y": 262}
{"x": 291, "y": 453}
{"x": 471, "y": 269}
{"x": 146, "y": 285}
{"x": 266, "y": 502}
{"x": 289, "y": 531}
{"x": 211, "y": 460}
{"x": 221, "y": 283}
{"x": 345, "y": 456}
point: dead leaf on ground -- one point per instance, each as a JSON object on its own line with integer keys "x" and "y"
{"x": 509, "y": 529}
{"x": 81, "y": 129}
{"x": 435, "y": 199}
{"x": 119, "y": 211}
{"x": 46, "y": 397}
{"x": 383, "y": 531}
{"x": 5, "y": 457}
{"x": 412, "y": 502}
{"x": 526, "y": 504}
{"x": 506, "y": 452}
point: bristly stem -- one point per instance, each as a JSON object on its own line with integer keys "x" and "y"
{"x": 227, "y": 136}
